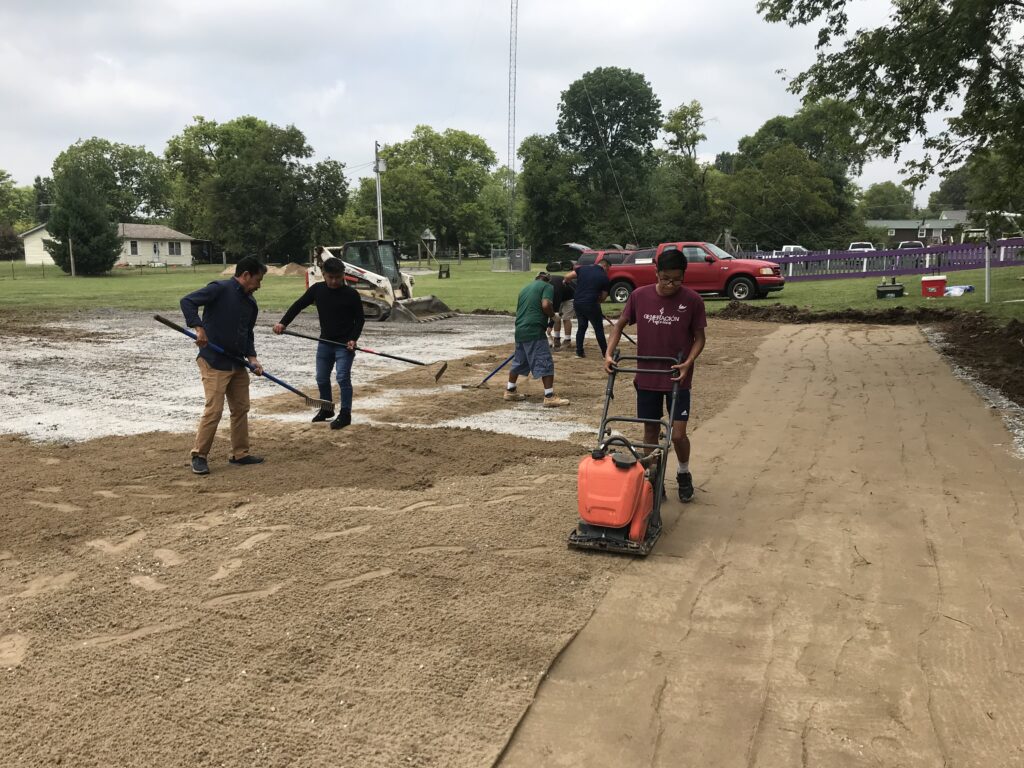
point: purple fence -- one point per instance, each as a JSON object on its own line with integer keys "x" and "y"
{"x": 821, "y": 265}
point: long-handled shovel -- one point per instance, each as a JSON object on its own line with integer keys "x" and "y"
{"x": 489, "y": 375}
{"x": 437, "y": 376}
{"x": 312, "y": 402}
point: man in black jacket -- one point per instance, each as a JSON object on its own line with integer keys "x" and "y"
{"x": 341, "y": 320}
{"x": 229, "y": 316}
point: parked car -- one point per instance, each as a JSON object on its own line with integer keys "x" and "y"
{"x": 593, "y": 257}
{"x": 790, "y": 250}
{"x": 861, "y": 247}
{"x": 709, "y": 270}
{"x": 908, "y": 244}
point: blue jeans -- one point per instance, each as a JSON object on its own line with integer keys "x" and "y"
{"x": 340, "y": 359}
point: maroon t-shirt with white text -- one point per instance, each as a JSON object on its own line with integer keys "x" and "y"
{"x": 665, "y": 328}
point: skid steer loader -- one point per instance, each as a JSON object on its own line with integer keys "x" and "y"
{"x": 371, "y": 267}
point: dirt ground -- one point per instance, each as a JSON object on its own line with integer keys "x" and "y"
{"x": 390, "y": 594}
{"x": 844, "y": 591}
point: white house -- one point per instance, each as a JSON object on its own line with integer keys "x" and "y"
{"x": 140, "y": 244}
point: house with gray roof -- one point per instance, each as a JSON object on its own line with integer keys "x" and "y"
{"x": 140, "y": 244}
{"x": 930, "y": 231}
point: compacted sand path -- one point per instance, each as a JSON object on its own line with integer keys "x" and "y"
{"x": 846, "y": 590}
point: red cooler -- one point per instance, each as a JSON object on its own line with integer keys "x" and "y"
{"x": 934, "y": 285}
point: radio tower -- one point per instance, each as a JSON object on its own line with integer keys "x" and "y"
{"x": 512, "y": 45}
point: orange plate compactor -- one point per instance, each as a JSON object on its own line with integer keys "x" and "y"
{"x": 619, "y": 488}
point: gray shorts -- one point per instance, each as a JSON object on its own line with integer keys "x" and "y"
{"x": 567, "y": 311}
{"x": 533, "y": 357}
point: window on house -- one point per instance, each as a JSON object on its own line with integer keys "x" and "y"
{"x": 173, "y": 249}
{"x": 156, "y": 249}
{"x": 892, "y": 233}
{"x": 134, "y": 247}
{"x": 922, "y": 232}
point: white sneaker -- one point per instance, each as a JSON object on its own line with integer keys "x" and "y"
{"x": 555, "y": 401}
{"x": 513, "y": 395}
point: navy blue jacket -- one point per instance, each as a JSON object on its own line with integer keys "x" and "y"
{"x": 229, "y": 316}
{"x": 591, "y": 282}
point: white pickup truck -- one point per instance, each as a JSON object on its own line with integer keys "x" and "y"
{"x": 790, "y": 250}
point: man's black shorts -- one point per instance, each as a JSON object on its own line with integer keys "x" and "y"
{"x": 652, "y": 405}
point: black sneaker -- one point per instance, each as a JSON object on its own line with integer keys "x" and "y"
{"x": 323, "y": 415}
{"x": 685, "y": 481}
{"x": 246, "y": 461}
{"x": 199, "y": 466}
{"x": 580, "y": 354}
{"x": 343, "y": 420}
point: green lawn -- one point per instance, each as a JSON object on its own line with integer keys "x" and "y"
{"x": 471, "y": 286}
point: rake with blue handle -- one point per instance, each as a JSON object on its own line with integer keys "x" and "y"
{"x": 312, "y": 402}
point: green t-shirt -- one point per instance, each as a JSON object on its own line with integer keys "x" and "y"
{"x": 531, "y": 322}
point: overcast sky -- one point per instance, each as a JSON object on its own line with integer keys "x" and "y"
{"x": 347, "y": 73}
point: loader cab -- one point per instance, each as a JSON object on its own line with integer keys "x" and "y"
{"x": 377, "y": 256}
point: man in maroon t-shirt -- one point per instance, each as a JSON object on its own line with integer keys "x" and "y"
{"x": 670, "y": 322}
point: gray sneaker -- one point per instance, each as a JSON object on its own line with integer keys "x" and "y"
{"x": 199, "y": 465}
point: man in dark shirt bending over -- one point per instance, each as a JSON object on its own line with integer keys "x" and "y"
{"x": 341, "y": 320}
{"x": 591, "y": 289}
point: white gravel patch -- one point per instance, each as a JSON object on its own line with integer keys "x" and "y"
{"x": 133, "y": 375}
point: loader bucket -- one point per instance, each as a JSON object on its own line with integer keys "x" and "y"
{"x": 419, "y": 310}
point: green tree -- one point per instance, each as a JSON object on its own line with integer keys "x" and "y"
{"x": 80, "y": 222}
{"x": 131, "y": 179}
{"x": 995, "y": 187}
{"x": 359, "y": 221}
{"x": 16, "y": 204}
{"x": 42, "y": 193}
{"x": 553, "y": 206}
{"x": 786, "y": 197}
{"x": 608, "y": 120}
{"x": 246, "y": 183}
{"x": 887, "y": 200}
{"x": 827, "y": 133}
{"x": 436, "y": 180}
{"x": 952, "y": 192}
{"x": 930, "y": 57}
{"x": 685, "y": 128}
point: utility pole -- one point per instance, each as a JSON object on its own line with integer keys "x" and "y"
{"x": 71, "y": 253}
{"x": 513, "y": 44}
{"x": 379, "y": 166}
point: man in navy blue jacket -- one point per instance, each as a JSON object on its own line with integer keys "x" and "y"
{"x": 229, "y": 317}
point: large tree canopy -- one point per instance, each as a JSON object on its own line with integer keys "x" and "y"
{"x": 131, "y": 179}
{"x": 245, "y": 184}
{"x": 933, "y": 56}
{"x": 437, "y": 180}
{"x": 887, "y": 200}
{"x": 608, "y": 120}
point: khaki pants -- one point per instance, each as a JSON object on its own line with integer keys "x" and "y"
{"x": 234, "y": 385}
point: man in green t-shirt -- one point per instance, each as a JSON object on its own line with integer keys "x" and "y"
{"x": 533, "y": 355}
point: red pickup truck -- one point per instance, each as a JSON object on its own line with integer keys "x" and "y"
{"x": 709, "y": 270}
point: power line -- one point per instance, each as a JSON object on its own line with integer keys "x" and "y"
{"x": 600, "y": 136}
